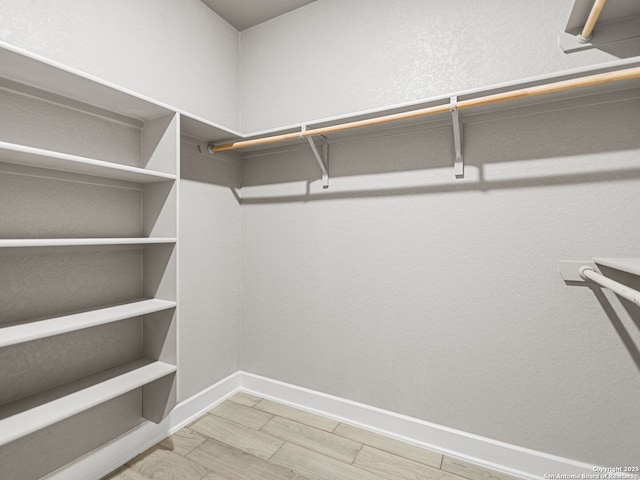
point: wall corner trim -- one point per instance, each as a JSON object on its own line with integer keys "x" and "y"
{"x": 493, "y": 454}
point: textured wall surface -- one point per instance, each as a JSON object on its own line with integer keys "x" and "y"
{"x": 33, "y": 367}
{"x": 403, "y": 288}
{"x": 29, "y": 121}
{"x": 334, "y": 57}
{"x": 31, "y": 285}
{"x": 209, "y": 270}
{"x": 134, "y": 44}
{"x": 66, "y": 206}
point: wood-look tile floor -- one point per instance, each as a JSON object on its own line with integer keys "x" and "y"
{"x": 250, "y": 438}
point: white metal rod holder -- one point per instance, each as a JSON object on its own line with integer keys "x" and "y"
{"x": 325, "y": 156}
{"x": 458, "y": 163}
{"x": 322, "y": 160}
{"x": 587, "y": 273}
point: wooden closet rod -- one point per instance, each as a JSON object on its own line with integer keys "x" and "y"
{"x": 590, "y": 24}
{"x": 555, "y": 87}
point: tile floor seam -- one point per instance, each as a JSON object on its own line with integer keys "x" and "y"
{"x": 430, "y": 468}
{"x": 159, "y": 447}
{"x": 238, "y": 423}
{"x": 260, "y": 429}
{"x": 308, "y": 412}
{"x": 407, "y": 458}
{"x": 377, "y": 472}
{"x": 195, "y": 461}
{"x": 272, "y": 455}
{"x": 208, "y": 469}
{"x": 228, "y": 420}
{"x": 356, "y": 457}
{"x": 318, "y": 430}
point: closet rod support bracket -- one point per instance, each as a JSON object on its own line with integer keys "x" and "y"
{"x": 321, "y": 159}
{"x": 456, "y": 119}
{"x": 572, "y": 271}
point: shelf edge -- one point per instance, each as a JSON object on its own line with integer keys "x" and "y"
{"x": 620, "y": 263}
{"x": 82, "y": 242}
{"x": 28, "y": 332}
{"x": 34, "y": 419}
{"x": 120, "y": 171}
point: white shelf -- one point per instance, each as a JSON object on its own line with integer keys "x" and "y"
{"x": 199, "y": 128}
{"x": 28, "y": 332}
{"x": 80, "y": 242}
{"x": 36, "y": 157}
{"x": 629, "y": 265}
{"x": 59, "y": 80}
{"x": 39, "y": 411}
{"x": 151, "y": 380}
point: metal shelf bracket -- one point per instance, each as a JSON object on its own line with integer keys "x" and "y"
{"x": 323, "y": 160}
{"x": 458, "y": 164}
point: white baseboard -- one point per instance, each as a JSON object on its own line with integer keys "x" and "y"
{"x": 108, "y": 458}
{"x": 499, "y": 456}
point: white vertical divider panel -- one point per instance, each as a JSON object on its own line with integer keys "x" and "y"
{"x": 159, "y": 209}
{"x": 160, "y": 144}
{"x": 159, "y": 398}
{"x": 161, "y": 152}
{"x": 178, "y": 173}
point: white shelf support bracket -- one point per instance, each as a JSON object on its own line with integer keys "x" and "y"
{"x": 321, "y": 159}
{"x": 571, "y": 270}
{"x": 458, "y": 164}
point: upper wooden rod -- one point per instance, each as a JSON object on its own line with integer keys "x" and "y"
{"x": 596, "y": 10}
{"x": 334, "y": 128}
{"x": 563, "y": 85}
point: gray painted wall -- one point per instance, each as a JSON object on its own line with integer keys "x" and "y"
{"x": 134, "y": 44}
{"x": 402, "y": 288}
{"x": 333, "y": 57}
{"x": 209, "y": 270}
{"x": 405, "y": 289}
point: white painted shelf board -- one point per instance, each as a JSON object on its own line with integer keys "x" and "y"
{"x": 80, "y": 242}
{"x": 40, "y": 411}
{"x": 201, "y": 129}
{"x": 36, "y": 157}
{"x": 36, "y": 71}
{"x": 58, "y": 82}
{"x": 27, "y": 332}
{"x": 629, "y": 265}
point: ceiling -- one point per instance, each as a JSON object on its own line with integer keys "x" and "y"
{"x": 243, "y": 14}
